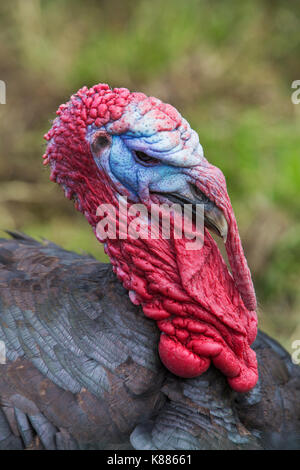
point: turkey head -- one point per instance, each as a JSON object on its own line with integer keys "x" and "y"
{"x": 118, "y": 154}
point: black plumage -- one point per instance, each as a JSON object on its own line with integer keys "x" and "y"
{"x": 83, "y": 371}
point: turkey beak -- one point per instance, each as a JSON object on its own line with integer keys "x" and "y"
{"x": 214, "y": 220}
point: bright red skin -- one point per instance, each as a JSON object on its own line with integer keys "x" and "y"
{"x": 192, "y": 296}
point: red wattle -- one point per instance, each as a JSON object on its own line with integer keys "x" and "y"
{"x": 179, "y": 360}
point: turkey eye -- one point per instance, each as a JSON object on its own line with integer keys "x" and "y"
{"x": 144, "y": 158}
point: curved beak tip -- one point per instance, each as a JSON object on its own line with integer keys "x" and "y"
{"x": 216, "y": 220}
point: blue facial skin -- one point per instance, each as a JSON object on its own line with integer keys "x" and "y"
{"x": 178, "y": 170}
{"x": 177, "y": 151}
{"x": 140, "y": 178}
{"x": 136, "y": 176}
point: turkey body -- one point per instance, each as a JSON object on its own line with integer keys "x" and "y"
{"x": 82, "y": 369}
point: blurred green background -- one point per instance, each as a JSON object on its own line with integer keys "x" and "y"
{"x": 226, "y": 65}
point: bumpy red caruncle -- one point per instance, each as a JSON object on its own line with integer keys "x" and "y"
{"x": 205, "y": 313}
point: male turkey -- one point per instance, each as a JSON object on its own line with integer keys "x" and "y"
{"x": 83, "y": 369}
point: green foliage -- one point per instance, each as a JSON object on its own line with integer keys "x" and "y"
{"x": 227, "y": 66}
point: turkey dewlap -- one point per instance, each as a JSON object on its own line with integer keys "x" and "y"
{"x": 108, "y": 143}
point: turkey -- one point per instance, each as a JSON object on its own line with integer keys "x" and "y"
{"x": 86, "y": 366}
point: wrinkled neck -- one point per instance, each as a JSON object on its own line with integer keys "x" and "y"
{"x": 158, "y": 273}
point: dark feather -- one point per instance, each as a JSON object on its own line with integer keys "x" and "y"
{"x": 83, "y": 370}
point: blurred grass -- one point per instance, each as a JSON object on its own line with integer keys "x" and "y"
{"x": 227, "y": 66}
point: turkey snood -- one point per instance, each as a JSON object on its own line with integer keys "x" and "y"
{"x": 109, "y": 143}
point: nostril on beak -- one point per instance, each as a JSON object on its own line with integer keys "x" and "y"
{"x": 198, "y": 194}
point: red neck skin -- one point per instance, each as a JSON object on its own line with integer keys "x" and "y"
{"x": 195, "y": 302}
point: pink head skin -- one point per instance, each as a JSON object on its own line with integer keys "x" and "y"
{"x": 105, "y": 143}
